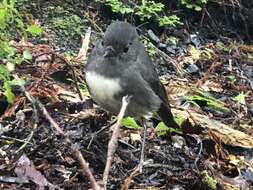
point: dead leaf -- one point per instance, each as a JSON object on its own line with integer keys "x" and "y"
{"x": 25, "y": 169}
{"x": 194, "y": 52}
{"x": 211, "y": 86}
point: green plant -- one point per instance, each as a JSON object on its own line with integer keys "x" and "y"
{"x": 7, "y": 83}
{"x": 68, "y": 25}
{"x": 6, "y": 79}
{"x": 196, "y": 5}
{"x": 222, "y": 47}
{"x": 145, "y": 10}
{"x": 34, "y": 30}
{"x": 240, "y": 100}
{"x": 11, "y": 22}
{"x": 118, "y": 7}
{"x": 162, "y": 129}
{"x": 209, "y": 180}
{"x": 172, "y": 21}
{"x": 9, "y": 15}
{"x": 130, "y": 123}
{"x": 149, "y": 9}
{"x": 151, "y": 48}
{"x": 208, "y": 100}
{"x": 172, "y": 40}
{"x": 5, "y": 88}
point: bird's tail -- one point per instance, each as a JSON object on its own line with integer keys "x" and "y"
{"x": 166, "y": 116}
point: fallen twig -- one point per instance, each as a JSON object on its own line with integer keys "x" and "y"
{"x": 112, "y": 145}
{"x": 82, "y": 54}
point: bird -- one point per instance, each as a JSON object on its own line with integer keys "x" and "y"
{"x": 119, "y": 65}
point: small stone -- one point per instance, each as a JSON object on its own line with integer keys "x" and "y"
{"x": 170, "y": 50}
{"x": 192, "y": 68}
{"x": 153, "y": 37}
{"x": 178, "y": 141}
{"x": 161, "y": 45}
{"x": 193, "y": 39}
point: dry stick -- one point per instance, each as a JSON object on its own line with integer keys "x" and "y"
{"x": 112, "y": 145}
{"x": 82, "y": 54}
{"x": 29, "y": 138}
{"x": 93, "y": 22}
{"x": 14, "y": 139}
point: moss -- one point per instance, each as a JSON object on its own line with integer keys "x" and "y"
{"x": 209, "y": 181}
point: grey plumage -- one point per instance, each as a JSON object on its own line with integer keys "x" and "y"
{"x": 119, "y": 65}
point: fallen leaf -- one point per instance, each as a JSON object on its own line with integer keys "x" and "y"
{"x": 26, "y": 170}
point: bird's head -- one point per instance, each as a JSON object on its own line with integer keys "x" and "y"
{"x": 118, "y": 39}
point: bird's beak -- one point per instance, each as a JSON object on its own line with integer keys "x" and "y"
{"x": 109, "y": 51}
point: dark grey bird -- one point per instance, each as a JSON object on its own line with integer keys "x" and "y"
{"x": 118, "y": 66}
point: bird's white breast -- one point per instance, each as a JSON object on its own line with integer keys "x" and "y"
{"x": 102, "y": 88}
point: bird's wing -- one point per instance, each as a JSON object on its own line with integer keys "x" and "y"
{"x": 150, "y": 75}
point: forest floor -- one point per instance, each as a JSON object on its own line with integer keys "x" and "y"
{"x": 209, "y": 81}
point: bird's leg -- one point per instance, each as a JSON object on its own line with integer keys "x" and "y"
{"x": 140, "y": 166}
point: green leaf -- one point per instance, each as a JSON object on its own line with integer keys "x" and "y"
{"x": 171, "y": 21}
{"x": 189, "y": 6}
{"x": 3, "y": 18}
{"x": 221, "y": 46}
{"x": 20, "y": 23}
{"x": 16, "y": 82}
{"x": 8, "y": 93}
{"x": 118, "y": 7}
{"x": 27, "y": 55}
{"x": 172, "y": 40}
{"x": 180, "y": 119}
{"x": 210, "y": 101}
{"x": 130, "y": 123}
{"x": 162, "y": 129}
{"x": 197, "y": 8}
{"x": 240, "y": 98}
{"x": 209, "y": 180}
{"x": 4, "y": 73}
{"x": 17, "y": 59}
{"x": 6, "y": 51}
{"x": 34, "y": 30}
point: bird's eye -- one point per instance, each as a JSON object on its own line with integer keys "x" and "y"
{"x": 125, "y": 50}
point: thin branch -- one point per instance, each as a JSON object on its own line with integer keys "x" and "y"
{"x": 28, "y": 139}
{"x": 82, "y": 54}
{"x": 112, "y": 145}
